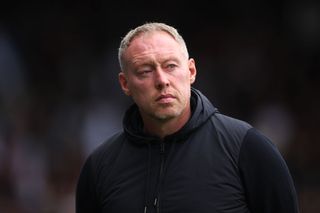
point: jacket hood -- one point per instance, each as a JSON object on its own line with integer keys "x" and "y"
{"x": 201, "y": 108}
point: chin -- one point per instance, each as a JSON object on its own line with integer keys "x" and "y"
{"x": 166, "y": 115}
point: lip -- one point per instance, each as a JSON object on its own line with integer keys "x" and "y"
{"x": 166, "y": 98}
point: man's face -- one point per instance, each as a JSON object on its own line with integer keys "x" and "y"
{"x": 158, "y": 76}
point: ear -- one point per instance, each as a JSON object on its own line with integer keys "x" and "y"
{"x": 124, "y": 83}
{"x": 193, "y": 70}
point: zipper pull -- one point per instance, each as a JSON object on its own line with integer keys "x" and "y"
{"x": 145, "y": 209}
{"x": 155, "y": 202}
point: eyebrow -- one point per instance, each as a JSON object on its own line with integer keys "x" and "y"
{"x": 151, "y": 62}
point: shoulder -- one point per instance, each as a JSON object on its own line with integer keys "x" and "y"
{"x": 232, "y": 128}
{"x": 230, "y": 133}
{"x": 102, "y": 157}
{"x": 256, "y": 145}
{"x": 266, "y": 176}
{"x": 103, "y": 154}
{"x": 108, "y": 148}
{"x": 86, "y": 192}
{"x": 258, "y": 151}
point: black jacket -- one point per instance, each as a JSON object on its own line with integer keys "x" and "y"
{"x": 214, "y": 164}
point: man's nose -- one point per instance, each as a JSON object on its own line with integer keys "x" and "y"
{"x": 161, "y": 79}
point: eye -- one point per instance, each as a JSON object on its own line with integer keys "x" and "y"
{"x": 144, "y": 72}
{"x": 171, "y": 66}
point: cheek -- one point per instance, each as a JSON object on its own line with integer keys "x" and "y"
{"x": 184, "y": 86}
{"x": 139, "y": 86}
{"x": 139, "y": 90}
{"x": 183, "y": 80}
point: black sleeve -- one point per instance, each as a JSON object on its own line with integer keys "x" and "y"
{"x": 86, "y": 200}
{"x": 268, "y": 184}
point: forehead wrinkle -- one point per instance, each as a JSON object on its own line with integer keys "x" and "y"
{"x": 153, "y": 56}
{"x": 157, "y": 51}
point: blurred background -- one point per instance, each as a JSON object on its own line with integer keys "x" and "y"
{"x": 59, "y": 94}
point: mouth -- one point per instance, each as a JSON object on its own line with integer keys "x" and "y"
{"x": 167, "y": 98}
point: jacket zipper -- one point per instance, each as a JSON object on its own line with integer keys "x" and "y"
{"x": 156, "y": 202}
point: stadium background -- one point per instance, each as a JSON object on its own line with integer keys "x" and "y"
{"x": 59, "y": 96}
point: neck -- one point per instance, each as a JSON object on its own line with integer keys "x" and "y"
{"x": 162, "y": 128}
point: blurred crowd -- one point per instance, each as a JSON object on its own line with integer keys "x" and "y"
{"x": 60, "y": 98}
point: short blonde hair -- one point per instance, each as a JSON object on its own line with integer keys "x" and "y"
{"x": 147, "y": 28}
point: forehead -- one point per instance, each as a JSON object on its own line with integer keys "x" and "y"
{"x": 153, "y": 42}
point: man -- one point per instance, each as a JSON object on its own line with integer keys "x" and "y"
{"x": 177, "y": 153}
